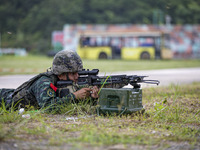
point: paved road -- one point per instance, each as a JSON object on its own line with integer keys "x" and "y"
{"x": 165, "y": 76}
{"x": 170, "y": 76}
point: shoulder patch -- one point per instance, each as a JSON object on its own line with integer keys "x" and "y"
{"x": 50, "y": 92}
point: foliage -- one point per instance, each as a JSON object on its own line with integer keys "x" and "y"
{"x": 29, "y": 23}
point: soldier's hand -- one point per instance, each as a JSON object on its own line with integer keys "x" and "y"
{"x": 95, "y": 91}
{"x": 82, "y": 93}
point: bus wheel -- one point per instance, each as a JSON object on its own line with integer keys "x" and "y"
{"x": 103, "y": 56}
{"x": 145, "y": 55}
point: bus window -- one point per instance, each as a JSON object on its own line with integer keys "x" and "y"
{"x": 131, "y": 42}
{"x": 146, "y": 42}
{"x": 106, "y": 41}
{"x": 93, "y": 41}
{"x": 128, "y": 42}
{"x": 99, "y": 41}
{"x": 85, "y": 41}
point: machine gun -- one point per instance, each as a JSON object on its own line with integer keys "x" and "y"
{"x": 90, "y": 78}
{"x": 113, "y": 98}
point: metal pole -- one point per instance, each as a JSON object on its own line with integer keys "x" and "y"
{"x": 0, "y": 41}
{"x": 0, "y": 45}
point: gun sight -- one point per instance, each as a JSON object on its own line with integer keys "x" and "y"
{"x": 89, "y": 72}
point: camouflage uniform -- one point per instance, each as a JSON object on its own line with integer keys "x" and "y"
{"x": 37, "y": 92}
{"x": 41, "y": 90}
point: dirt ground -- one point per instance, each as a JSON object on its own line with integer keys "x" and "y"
{"x": 43, "y": 145}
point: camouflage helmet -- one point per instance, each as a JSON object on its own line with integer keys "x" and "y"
{"x": 66, "y": 61}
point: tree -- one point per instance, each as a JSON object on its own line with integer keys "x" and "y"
{"x": 29, "y": 24}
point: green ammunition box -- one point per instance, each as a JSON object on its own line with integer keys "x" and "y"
{"x": 120, "y": 101}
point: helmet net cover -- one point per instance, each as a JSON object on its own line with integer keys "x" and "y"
{"x": 66, "y": 61}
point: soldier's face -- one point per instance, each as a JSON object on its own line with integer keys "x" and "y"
{"x": 73, "y": 76}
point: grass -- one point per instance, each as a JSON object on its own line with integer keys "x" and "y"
{"x": 36, "y": 64}
{"x": 172, "y": 116}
